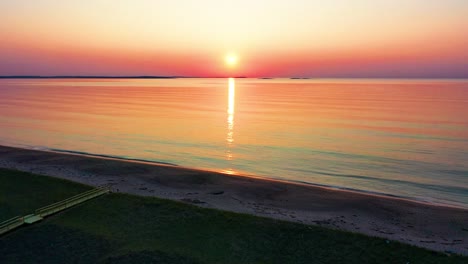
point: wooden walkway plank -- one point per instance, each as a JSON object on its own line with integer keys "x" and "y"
{"x": 11, "y": 224}
{"x": 51, "y": 209}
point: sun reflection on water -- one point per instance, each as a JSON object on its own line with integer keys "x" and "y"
{"x": 230, "y": 122}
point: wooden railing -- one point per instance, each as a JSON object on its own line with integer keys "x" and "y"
{"x": 51, "y": 209}
{"x": 59, "y": 206}
{"x": 11, "y": 224}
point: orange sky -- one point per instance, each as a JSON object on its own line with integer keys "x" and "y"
{"x": 338, "y": 38}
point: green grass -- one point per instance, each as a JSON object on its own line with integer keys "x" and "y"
{"x": 22, "y": 193}
{"x": 119, "y": 228}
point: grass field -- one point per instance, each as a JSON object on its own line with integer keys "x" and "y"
{"x": 119, "y": 228}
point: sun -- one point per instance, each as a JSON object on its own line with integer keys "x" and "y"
{"x": 231, "y": 60}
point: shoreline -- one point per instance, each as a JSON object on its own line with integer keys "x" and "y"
{"x": 433, "y": 226}
{"x": 424, "y": 201}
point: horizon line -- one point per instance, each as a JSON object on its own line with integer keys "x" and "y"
{"x": 200, "y": 77}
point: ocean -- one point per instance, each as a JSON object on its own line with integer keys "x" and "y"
{"x": 397, "y": 137}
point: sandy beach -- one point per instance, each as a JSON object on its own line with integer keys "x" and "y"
{"x": 435, "y": 227}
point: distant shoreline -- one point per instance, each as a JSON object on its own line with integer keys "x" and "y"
{"x": 219, "y": 77}
{"x": 107, "y": 77}
{"x": 88, "y": 77}
{"x": 434, "y": 227}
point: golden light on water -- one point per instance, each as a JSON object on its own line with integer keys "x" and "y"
{"x": 230, "y": 121}
{"x": 230, "y": 111}
{"x": 231, "y": 97}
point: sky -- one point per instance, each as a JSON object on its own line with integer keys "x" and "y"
{"x": 270, "y": 38}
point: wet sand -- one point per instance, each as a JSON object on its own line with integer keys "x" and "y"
{"x": 435, "y": 227}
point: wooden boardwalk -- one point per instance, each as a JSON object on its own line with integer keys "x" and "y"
{"x": 40, "y": 213}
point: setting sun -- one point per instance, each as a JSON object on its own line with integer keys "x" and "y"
{"x": 231, "y": 60}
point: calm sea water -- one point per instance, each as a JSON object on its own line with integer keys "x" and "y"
{"x": 399, "y": 137}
